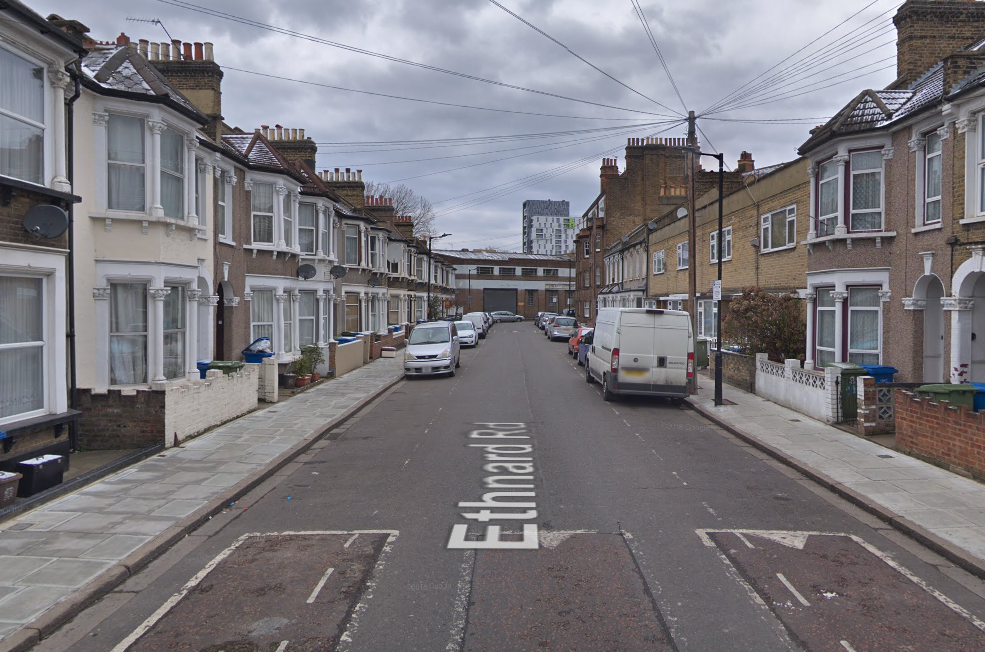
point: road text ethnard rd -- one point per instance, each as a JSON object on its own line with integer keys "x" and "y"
{"x": 512, "y": 466}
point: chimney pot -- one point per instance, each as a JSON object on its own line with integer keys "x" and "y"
{"x": 187, "y": 51}
{"x": 208, "y": 51}
{"x": 359, "y": 174}
{"x": 279, "y": 133}
{"x": 165, "y": 51}
{"x": 155, "y": 51}
{"x": 301, "y": 134}
{"x": 175, "y": 50}
{"x": 198, "y": 52}
{"x": 142, "y": 46}
{"x": 294, "y": 134}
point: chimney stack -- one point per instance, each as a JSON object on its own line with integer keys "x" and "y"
{"x": 746, "y": 164}
{"x": 608, "y": 171}
{"x": 929, "y": 30}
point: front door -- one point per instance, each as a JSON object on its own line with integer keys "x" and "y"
{"x": 220, "y": 313}
{"x": 933, "y": 334}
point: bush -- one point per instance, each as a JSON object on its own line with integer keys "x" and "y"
{"x": 311, "y": 357}
{"x": 761, "y": 322}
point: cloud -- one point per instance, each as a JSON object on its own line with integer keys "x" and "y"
{"x": 711, "y": 48}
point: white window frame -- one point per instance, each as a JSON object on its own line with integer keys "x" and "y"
{"x": 224, "y": 216}
{"x": 726, "y": 245}
{"x": 351, "y": 248}
{"x": 588, "y": 248}
{"x": 312, "y": 318}
{"x": 818, "y": 308}
{"x": 46, "y": 379}
{"x": 659, "y": 262}
{"x": 313, "y": 228}
{"x": 849, "y": 309}
{"x": 929, "y": 159}
{"x": 143, "y": 165}
{"x": 827, "y": 223}
{"x": 181, "y": 173}
{"x": 374, "y": 252}
{"x": 255, "y": 213}
{"x": 46, "y": 102}
{"x": 287, "y": 218}
{"x": 177, "y": 290}
{"x": 682, "y": 255}
{"x": 850, "y": 221}
{"x": 290, "y": 312}
{"x": 146, "y": 332}
{"x": 703, "y": 308}
{"x": 273, "y": 313}
{"x": 789, "y": 215}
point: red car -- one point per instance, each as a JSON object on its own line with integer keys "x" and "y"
{"x": 576, "y": 340}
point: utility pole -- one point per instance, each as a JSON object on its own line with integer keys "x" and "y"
{"x": 692, "y": 233}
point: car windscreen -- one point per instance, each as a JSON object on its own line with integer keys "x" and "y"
{"x": 564, "y": 322}
{"x": 429, "y": 336}
{"x": 465, "y": 326}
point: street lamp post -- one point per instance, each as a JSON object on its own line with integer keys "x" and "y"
{"x": 431, "y": 239}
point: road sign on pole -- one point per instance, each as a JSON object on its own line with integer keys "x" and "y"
{"x": 716, "y": 290}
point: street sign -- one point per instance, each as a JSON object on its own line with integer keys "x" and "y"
{"x": 716, "y": 290}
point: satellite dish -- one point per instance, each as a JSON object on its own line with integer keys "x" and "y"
{"x": 374, "y": 282}
{"x": 46, "y": 221}
{"x": 681, "y": 212}
{"x": 337, "y": 271}
{"x": 652, "y": 225}
{"x": 307, "y": 271}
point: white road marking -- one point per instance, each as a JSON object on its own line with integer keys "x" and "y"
{"x": 426, "y": 430}
{"x": 405, "y": 464}
{"x": 847, "y": 646}
{"x": 282, "y": 646}
{"x": 201, "y": 575}
{"x": 352, "y": 538}
{"x": 457, "y": 635}
{"x": 345, "y": 641}
{"x": 712, "y": 512}
{"x": 638, "y": 435}
{"x": 615, "y": 410}
{"x": 320, "y": 585}
{"x": 745, "y": 541}
{"x": 627, "y": 423}
{"x": 679, "y": 478}
{"x": 801, "y": 599}
{"x": 885, "y": 558}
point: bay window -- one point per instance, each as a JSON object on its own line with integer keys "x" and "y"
{"x": 351, "y": 244}
{"x": 262, "y": 314}
{"x": 352, "y": 312}
{"x": 394, "y": 312}
{"x": 866, "y": 191}
{"x": 128, "y": 333}
{"x": 826, "y": 318}
{"x": 174, "y": 332}
{"x": 307, "y": 223}
{"x": 172, "y": 173}
{"x": 126, "y": 166}
{"x": 22, "y": 346}
{"x": 864, "y": 306}
{"x": 307, "y": 317}
{"x": 21, "y": 118}
{"x": 827, "y": 193}
{"x": 287, "y": 206}
{"x": 225, "y": 230}
{"x": 932, "y": 179}
{"x": 779, "y": 229}
{"x": 262, "y": 200}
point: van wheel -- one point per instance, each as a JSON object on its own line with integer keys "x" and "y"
{"x": 588, "y": 374}
{"x": 607, "y": 394}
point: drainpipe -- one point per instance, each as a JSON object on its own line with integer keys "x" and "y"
{"x": 70, "y": 172}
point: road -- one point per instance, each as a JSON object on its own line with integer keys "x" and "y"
{"x": 635, "y": 525}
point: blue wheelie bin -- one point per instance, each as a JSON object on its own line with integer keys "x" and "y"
{"x": 256, "y": 357}
{"x": 881, "y": 373}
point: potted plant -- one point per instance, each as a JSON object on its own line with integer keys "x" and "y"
{"x": 313, "y": 356}
{"x": 302, "y": 368}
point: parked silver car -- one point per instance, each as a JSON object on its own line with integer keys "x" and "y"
{"x": 561, "y": 328}
{"x": 433, "y": 348}
{"x": 506, "y": 315}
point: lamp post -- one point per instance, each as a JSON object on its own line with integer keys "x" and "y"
{"x": 430, "y": 240}
{"x": 468, "y": 299}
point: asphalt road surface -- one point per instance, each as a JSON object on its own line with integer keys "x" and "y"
{"x": 510, "y": 508}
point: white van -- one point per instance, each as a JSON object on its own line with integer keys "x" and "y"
{"x": 642, "y": 351}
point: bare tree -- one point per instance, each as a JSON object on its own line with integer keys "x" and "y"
{"x": 406, "y": 202}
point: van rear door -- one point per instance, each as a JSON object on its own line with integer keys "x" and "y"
{"x": 672, "y": 345}
{"x": 637, "y": 350}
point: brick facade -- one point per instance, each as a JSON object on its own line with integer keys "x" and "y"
{"x": 120, "y": 419}
{"x": 929, "y": 30}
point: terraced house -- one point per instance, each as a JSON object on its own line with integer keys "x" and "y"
{"x": 898, "y": 208}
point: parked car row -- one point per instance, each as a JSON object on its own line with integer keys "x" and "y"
{"x": 435, "y": 347}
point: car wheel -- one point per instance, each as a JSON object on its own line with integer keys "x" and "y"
{"x": 451, "y": 374}
{"x": 458, "y": 361}
{"x": 580, "y": 363}
{"x": 588, "y": 374}
{"x": 607, "y": 394}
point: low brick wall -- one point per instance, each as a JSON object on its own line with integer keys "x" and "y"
{"x": 195, "y": 406}
{"x": 121, "y": 418}
{"x": 738, "y": 370}
{"x": 389, "y": 339}
{"x": 166, "y": 413}
{"x": 949, "y": 436}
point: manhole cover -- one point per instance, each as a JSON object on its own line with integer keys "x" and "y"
{"x": 21, "y": 526}
{"x": 887, "y": 457}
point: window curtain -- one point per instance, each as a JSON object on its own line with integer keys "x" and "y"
{"x": 307, "y": 223}
{"x": 351, "y": 245}
{"x": 863, "y": 325}
{"x": 172, "y": 174}
{"x": 288, "y": 220}
{"x": 262, "y": 314}
{"x": 352, "y": 313}
{"x": 125, "y": 138}
{"x": 21, "y": 94}
{"x": 174, "y": 333}
{"x": 128, "y": 333}
{"x": 262, "y": 197}
{"x": 933, "y": 211}
{"x": 867, "y": 191}
{"x": 21, "y": 345}
{"x": 288, "y": 322}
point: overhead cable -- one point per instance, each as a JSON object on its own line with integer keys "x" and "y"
{"x": 656, "y": 48}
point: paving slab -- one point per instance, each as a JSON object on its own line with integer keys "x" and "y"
{"x": 122, "y": 517}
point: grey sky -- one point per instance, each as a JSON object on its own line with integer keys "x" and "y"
{"x": 711, "y": 47}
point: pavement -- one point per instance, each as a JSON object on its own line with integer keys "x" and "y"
{"x": 61, "y": 557}
{"x": 942, "y": 510}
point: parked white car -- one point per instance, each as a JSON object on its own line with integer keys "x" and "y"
{"x": 479, "y": 320}
{"x": 467, "y": 335}
{"x": 432, "y": 348}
